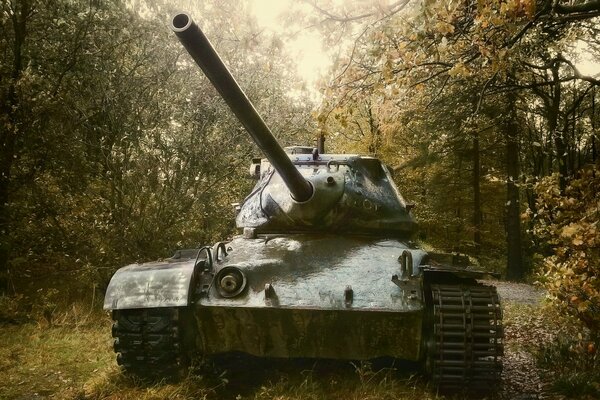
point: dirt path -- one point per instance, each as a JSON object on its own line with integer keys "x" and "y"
{"x": 519, "y": 293}
{"x": 521, "y": 377}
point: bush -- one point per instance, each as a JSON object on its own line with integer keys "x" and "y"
{"x": 573, "y": 367}
{"x": 566, "y": 222}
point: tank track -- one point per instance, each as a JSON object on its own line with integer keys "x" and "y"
{"x": 149, "y": 342}
{"x": 467, "y": 338}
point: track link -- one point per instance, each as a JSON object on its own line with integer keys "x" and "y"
{"x": 467, "y": 338}
{"x": 148, "y": 342}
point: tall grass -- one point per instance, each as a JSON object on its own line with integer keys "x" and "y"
{"x": 71, "y": 357}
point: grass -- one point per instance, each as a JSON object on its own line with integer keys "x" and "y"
{"x": 39, "y": 359}
{"x": 72, "y": 358}
{"x": 69, "y": 356}
{"x": 573, "y": 367}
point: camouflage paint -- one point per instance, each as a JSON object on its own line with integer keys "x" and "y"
{"x": 307, "y": 312}
{"x": 156, "y": 284}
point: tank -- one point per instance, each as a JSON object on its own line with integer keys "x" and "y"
{"x": 323, "y": 267}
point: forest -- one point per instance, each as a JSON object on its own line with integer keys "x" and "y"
{"x": 116, "y": 149}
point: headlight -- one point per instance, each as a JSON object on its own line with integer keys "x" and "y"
{"x": 230, "y": 281}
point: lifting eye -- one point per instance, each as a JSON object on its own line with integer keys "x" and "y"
{"x": 230, "y": 281}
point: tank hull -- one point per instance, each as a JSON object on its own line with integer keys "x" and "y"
{"x": 293, "y": 333}
{"x": 314, "y": 295}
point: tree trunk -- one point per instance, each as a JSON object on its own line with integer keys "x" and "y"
{"x": 476, "y": 193}
{"x": 593, "y": 120}
{"x": 514, "y": 266}
{"x": 9, "y": 128}
{"x": 7, "y": 143}
{"x": 559, "y": 140}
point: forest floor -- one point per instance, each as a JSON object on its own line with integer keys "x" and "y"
{"x": 72, "y": 358}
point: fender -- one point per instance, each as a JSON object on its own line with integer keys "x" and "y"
{"x": 165, "y": 283}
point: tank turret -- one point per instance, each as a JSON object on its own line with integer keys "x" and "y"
{"x": 300, "y": 192}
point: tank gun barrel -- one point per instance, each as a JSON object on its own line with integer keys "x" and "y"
{"x": 203, "y": 53}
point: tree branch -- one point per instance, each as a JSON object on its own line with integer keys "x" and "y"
{"x": 485, "y": 86}
{"x": 593, "y": 5}
{"x": 390, "y": 10}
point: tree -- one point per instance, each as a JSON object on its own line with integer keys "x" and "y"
{"x": 567, "y": 222}
{"x": 22, "y": 92}
{"x": 123, "y": 151}
{"x": 415, "y": 60}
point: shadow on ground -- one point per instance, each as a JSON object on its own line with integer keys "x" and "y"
{"x": 244, "y": 376}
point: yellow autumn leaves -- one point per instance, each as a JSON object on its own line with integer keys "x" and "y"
{"x": 568, "y": 222}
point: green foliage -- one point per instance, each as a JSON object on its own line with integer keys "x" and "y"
{"x": 565, "y": 224}
{"x": 11, "y": 310}
{"x": 123, "y": 151}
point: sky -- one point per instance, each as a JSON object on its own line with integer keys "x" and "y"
{"x": 586, "y": 63}
{"x": 312, "y": 59}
